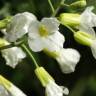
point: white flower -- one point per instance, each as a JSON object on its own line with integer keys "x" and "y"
{"x": 13, "y": 56}
{"x": 45, "y": 35}
{"x": 88, "y": 25}
{"x": 18, "y": 26}
{"x": 52, "y": 89}
{"x": 9, "y": 89}
{"x": 68, "y": 59}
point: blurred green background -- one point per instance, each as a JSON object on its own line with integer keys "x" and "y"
{"x": 80, "y": 83}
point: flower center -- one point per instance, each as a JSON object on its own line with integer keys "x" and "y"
{"x": 43, "y": 31}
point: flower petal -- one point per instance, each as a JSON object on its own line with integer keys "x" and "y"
{"x": 52, "y": 89}
{"x": 54, "y": 42}
{"x": 3, "y": 91}
{"x": 16, "y": 91}
{"x": 33, "y": 31}
{"x": 88, "y": 21}
{"x": 93, "y": 48}
{"x": 36, "y": 45}
{"x": 13, "y": 56}
{"x": 19, "y": 26}
{"x": 57, "y": 38}
{"x": 68, "y": 59}
{"x": 51, "y": 24}
{"x": 9, "y": 88}
{"x": 29, "y": 16}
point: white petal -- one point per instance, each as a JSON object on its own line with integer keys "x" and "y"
{"x": 9, "y": 89}
{"x": 3, "y": 91}
{"x": 68, "y": 60}
{"x": 52, "y": 24}
{"x": 13, "y": 56}
{"x": 88, "y": 20}
{"x": 93, "y": 48}
{"x": 30, "y": 16}
{"x": 16, "y": 91}
{"x": 57, "y": 38}
{"x": 19, "y": 26}
{"x": 65, "y": 91}
{"x": 33, "y": 31}
{"x": 52, "y": 89}
{"x": 36, "y": 45}
{"x": 54, "y": 42}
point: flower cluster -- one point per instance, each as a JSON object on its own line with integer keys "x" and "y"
{"x": 85, "y": 23}
{"x": 44, "y": 36}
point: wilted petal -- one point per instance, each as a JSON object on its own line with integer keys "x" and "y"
{"x": 13, "y": 56}
{"x": 51, "y": 24}
{"x": 35, "y": 44}
{"x": 52, "y": 89}
{"x": 19, "y": 26}
{"x": 88, "y": 21}
{"x": 68, "y": 59}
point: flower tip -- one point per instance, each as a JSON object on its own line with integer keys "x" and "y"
{"x": 68, "y": 60}
{"x": 68, "y": 70}
{"x": 66, "y": 91}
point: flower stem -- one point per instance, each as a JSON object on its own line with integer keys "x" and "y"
{"x": 57, "y": 9}
{"x": 30, "y": 54}
{"x": 73, "y": 31}
{"x": 52, "y": 8}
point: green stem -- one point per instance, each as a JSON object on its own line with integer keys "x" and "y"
{"x": 56, "y": 11}
{"x": 52, "y": 8}
{"x": 73, "y": 31}
{"x": 30, "y": 54}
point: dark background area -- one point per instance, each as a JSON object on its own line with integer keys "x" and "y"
{"x": 80, "y": 83}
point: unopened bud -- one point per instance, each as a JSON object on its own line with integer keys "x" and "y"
{"x": 70, "y": 19}
{"x": 80, "y": 3}
{"x": 83, "y": 38}
{"x": 43, "y": 76}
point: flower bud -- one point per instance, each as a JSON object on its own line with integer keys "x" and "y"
{"x": 80, "y": 3}
{"x": 70, "y": 19}
{"x": 4, "y": 22}
{"x": 43, "y": 76}
{"x": 83, "y": 38}
{"x": 3, "y": 42}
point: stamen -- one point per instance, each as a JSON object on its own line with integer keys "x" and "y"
{"x": 43, "y": 31}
